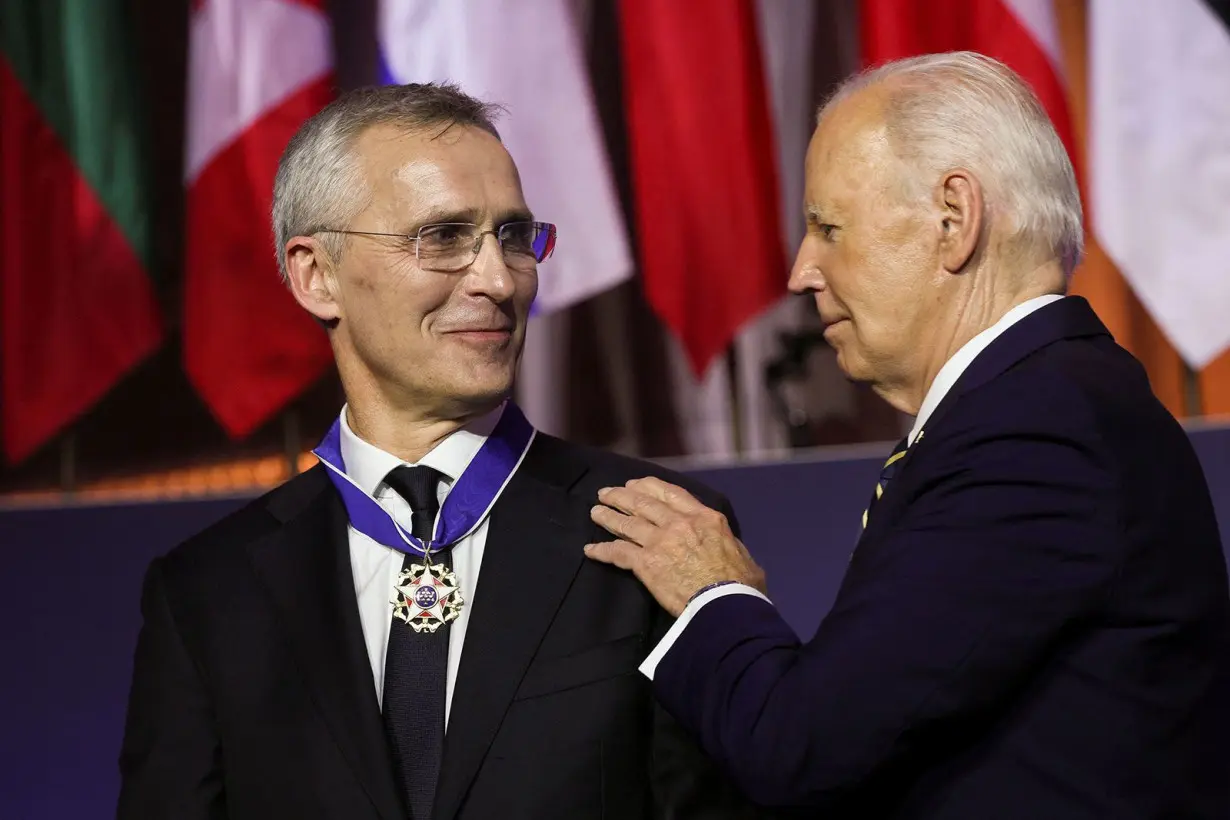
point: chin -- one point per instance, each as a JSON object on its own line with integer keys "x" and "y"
{"x": 484, "y": 388}
{"x": 851, "y": 367}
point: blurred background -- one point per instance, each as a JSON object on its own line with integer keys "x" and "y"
{"x": 147, "y": 348}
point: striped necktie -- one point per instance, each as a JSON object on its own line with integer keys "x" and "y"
{"x": 886, "y": 474}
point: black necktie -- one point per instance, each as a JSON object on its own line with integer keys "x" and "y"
{"x": 886, "y": 475}
{"x": 416, "y": 663}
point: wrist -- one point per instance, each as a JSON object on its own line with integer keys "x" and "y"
{"x": 708, "y": 587}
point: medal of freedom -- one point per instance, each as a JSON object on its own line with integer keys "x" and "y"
{"x": 428, "y": 595}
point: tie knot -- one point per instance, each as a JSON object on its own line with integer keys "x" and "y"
{"x": 418, "y": 486}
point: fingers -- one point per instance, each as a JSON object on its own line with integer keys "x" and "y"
{"x": 676, "y": 498}
{"x": 645, "y": 508}
{"x": 636, "y": 503}
{"x": 627, "y": 527}
{"x": 618, "y": 553}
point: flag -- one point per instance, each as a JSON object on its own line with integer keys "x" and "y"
{"x": 1159, "y": 115}
{"x": 257, "y": 69}
{"x": 77, "y": 308}
{"x": 528, "y": 58}
{"x": 729, "y": 411}
{"x": 704, "y": 169}
{"x": 1022, "y": 34}
{"x": 1096, "y": 278}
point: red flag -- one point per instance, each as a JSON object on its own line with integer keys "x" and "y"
{"x": 1022, "y": 34}
{"x": 77, "y": 308}
{"x": 257, "y": 70}
{"x": 704, "y": 169}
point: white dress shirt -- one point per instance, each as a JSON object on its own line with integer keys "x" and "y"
{"x": 943, "y": 382}
{"x": 376, "y": 567}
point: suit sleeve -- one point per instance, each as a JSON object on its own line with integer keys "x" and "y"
{"x": 688, "y": 785}
{"x": 170, "y": 761}
{"x": 1009, "y": 542}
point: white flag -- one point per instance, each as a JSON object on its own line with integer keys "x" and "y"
{"x": 1160, "y": 161}
{"x": 526, "y": 57}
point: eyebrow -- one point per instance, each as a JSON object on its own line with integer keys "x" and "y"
{"x": 470, "y": 215}
{"x": 814, "y": 214}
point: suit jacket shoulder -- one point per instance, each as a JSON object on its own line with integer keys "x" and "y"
{"x": 228, "y": 537}
{"x": 602, "y": 468}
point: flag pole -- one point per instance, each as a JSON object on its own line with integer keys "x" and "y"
{"x": 1193, "y": 402}
{"x": 736, "y": 403}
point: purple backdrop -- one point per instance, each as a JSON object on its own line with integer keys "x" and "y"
{"x": 71, "y": 580}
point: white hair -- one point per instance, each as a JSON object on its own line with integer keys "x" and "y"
{"x": 963, "y": 109}
{"x": 319, "y": 184}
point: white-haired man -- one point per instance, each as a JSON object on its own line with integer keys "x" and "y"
{"x": 1033, "y": 620}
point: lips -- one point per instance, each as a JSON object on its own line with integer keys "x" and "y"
{"x": 830, "y": 324}
{"x": 484, "y": 335}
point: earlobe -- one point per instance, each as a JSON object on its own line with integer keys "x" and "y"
{"x": 309, "y": 274}
{"x": 962, "y": 203}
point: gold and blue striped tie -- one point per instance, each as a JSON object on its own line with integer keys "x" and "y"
{"x": 886, "y": 474}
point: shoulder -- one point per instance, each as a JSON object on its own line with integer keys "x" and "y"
{"x": 1089, "y": 390}
{"x": 222, "y": 547}
{"x": 1076, "y": 417}
{"x": 599, "y": 468}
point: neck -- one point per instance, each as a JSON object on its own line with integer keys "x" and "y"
{"x": 407, "y": 432}
{"x": 978, "y": 309}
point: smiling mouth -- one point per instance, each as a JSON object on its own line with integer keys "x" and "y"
{"x": 483, "y": 335}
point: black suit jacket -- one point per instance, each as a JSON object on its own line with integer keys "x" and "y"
{"x": 252, "y": 693}
{"x": 1032, "y": 625}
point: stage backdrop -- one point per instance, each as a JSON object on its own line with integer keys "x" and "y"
{"x": 71, "y": 579}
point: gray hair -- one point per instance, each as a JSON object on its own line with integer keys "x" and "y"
{"x": 319, "y": 185}
{"x": 963, "y": 109}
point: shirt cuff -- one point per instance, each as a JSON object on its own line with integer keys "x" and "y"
{"x": 650, "y": 664}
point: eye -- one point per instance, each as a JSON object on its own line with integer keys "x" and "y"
{"x": 518, "y": 237}
{"x": 442, "y": 237}
{"x": 817, "y": 227}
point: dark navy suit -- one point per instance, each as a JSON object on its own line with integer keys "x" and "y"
{"x": 1031, "y": 626}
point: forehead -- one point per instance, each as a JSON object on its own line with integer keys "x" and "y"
{"x": 850, "y": 148}
{"x": 417, "y": 172}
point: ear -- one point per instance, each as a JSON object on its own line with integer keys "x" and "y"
{"x": 961, "y": 229}
{"x": 309, "y": 270}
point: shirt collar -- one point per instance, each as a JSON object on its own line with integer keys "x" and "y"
{"x": 367, "y": 464}
{"x": 957, "y": 364}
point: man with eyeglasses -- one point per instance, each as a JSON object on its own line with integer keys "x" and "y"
{"x": 410, "y": 628}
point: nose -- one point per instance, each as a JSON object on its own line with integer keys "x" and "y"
{"x": 488, "y": 275}
{"x": 806, "y": 276}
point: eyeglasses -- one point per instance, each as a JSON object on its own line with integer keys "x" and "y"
{"x": 453, "y": 246}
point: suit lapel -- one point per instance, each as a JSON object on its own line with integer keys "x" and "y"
{"x": 532, "y": 554}
{"x": 1068, "y": 318}
{"x": 305, "y": 565}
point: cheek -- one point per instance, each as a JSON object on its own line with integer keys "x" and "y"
{"x": 392, "y": 305}
{"x": 893, "y": 270}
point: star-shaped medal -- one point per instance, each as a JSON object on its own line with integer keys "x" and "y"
{"x": 428, "y": 595}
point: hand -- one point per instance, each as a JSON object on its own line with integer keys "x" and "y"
{"x": 675, "y": 545}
